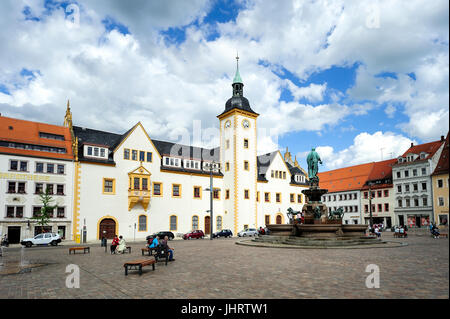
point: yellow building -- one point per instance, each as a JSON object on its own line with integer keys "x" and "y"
{"x": 440, "y": 181}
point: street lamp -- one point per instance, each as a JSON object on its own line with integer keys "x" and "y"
{"x": 370, "y": 206}
{"x": 211, "y": 190}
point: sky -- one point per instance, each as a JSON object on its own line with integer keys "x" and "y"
{"x": 358, "y": 80}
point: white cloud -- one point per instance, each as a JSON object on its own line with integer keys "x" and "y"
{"x": 312, "y": 93}
{"x": 390, "y": 110}
{"x": 366, "y": 148}
{"x": 138, "y": 77}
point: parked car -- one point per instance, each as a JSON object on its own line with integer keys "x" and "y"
{"x": 42, "y": 239}
{"x": 248, "y": 232}
{"x": 194, "y": 234}
{"x": 161, "y": 235}
{"x": 223, "y": 233}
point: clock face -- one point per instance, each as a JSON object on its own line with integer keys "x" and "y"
{"x": 246, "y": 124}
{"x": 227, "y": 124}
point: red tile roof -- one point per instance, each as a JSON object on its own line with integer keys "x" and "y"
{"x": 27, "y": 132}
{"x": 345, "y": 179}
{"x": 381, "y": 170}
{"x": 442, "y": 166}
{"x": 429, "y": 148}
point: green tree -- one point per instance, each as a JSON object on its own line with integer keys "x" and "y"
{"x": 42, "y": 218}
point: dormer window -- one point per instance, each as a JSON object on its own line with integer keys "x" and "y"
{"x": 191, "y": 164}
{"x": 172, "y": 161}
{"x": 95, "y": 151}
{"x": 215, "y": 166}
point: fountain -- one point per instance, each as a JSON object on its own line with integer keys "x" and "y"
{"x": 318, "y": 227}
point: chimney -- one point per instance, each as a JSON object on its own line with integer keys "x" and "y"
{"x": 442, "y": 138}
{"x": 412, "y": 144}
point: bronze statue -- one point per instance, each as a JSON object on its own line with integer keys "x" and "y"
{"x": 337, "y": 214}
{"x": 291, "y": 213}
{"x": 313, "y": 167}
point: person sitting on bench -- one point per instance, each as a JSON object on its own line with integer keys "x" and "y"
{"x": 122, "y": 245}
{"x": 434, "y": 230}
{"x": 154, "y": 242}
{"x": 166, "y": 247}
{"x": 114, "y": 244}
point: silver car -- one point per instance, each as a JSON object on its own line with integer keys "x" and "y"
{"x": 248, "y": 232}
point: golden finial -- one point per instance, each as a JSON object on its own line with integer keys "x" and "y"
{"x": 68, "y": 116}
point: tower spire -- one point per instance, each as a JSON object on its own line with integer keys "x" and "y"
{"x": 237, "y": 76}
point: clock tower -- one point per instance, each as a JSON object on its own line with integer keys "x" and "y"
{"x": 238, "y": 159}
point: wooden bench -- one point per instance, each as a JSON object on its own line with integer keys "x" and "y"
{"x": 404, "y": 235}
{"x": 148, "y": 250}
{"x": 138, "y": 264}
{"x": 161, "y": 254}
{"x": 128, "y": 248}
{"x": 84, "y": 249}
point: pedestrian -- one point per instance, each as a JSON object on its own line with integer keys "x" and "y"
{"x": 114, "y": 244}
{"x": 166, "y": 247}
{"x": 5, "y": 241}
{"x": 121, "y": 246}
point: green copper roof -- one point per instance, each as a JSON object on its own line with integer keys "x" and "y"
{"x": 237, "y": 77}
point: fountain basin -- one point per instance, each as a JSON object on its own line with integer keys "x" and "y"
{"x": 354, "y": 230}
{"x": 281, "y": 229}
{"x": 319, "y": 230}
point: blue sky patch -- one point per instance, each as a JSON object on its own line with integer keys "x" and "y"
{"x": 111, "y": 24}
{"x": 4, "y": 89}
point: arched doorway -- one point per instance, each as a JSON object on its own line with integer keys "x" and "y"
{"x": 207, "y": 225}
{"x": 109, "y": 226}
{"x": 279, "y": 219}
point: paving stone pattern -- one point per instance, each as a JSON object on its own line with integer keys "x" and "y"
{"x": 222, "y": 269}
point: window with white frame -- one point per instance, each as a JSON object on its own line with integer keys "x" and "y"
{"x": 172, "y": 161}
{"x": 95, "y": 151}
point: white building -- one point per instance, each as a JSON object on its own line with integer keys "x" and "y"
{"x": 344, "y": 190}
{"x": 131, "y": 185}
{"x": 412, "y": 184}
{"x": 34, "y": 157}
{"x": 379, "y": 193}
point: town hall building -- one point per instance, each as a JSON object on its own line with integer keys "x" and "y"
{"x": 132, "y": 185}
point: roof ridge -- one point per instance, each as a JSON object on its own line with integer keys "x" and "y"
{"x": 29, "y": 121}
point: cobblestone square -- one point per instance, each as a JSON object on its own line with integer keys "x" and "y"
{"x": 221, "y": 269}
